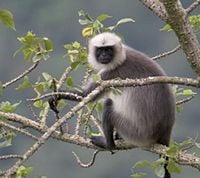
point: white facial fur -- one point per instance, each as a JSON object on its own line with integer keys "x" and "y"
{"x": 106, "y": 39}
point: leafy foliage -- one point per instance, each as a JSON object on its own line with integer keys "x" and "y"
{"x": 193, "y": 19}
{"x": 6, "y": 18}
{"x": 6, "y": 137}
{"x": 23, "y": 171}
{"x": 34, "y": 48}
{"x": 6, "y": 106}
{"x": 95, "y": 26}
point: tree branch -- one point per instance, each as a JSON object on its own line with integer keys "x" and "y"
{"x": 104, "y": 84}
{"x": 166, "y": 53}
{"x": 156, "y": 7}
{"x": 194, "y": 5}
{"x": 21, "y": 75}
{"x": 177, "y": 18}
{"x": 20, "y": 130}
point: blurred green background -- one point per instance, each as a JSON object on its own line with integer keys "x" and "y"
{"x": 58, "y": 20}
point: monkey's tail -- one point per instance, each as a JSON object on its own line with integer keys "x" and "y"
{"x": 167, "y": 174}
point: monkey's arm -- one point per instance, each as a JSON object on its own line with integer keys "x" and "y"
{"x": 72, "y": 95}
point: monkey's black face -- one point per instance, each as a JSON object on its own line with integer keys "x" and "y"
{"x": 104, "y": 55}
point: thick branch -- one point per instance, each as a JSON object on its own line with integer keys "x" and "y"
{"x": 177, "y": 18}
{"x": 104, "y": 84}
{"x": 156, "y": 7}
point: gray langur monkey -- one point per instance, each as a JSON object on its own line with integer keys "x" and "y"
{"x": 142, "y": 115}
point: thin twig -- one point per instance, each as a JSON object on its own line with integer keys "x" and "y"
{"x": 194, "y": 5}
{"x": 26, "y": 133}
{"x": 10, "y": 157}
{"x": 63, "y": 77}
{"x": 97, "y": 124}
{"x": 78, "y": 123}
{"x": 21, "y": 75}
{"x": 32, "y": 111}
{"x": 88, "y": 164}
{"x": 184, "y": 100}
{"x": 166, "y": 53}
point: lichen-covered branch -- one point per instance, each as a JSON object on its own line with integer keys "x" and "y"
{"x": 156, "y": 7}
{"x": 20, "y": 130}
{"x": 194, "y": 5}
{"x": 51, "y": 131}
{"x": 176, "y": 16}
{"x": 21, "y": 75}
{"x": 166, "y": 53}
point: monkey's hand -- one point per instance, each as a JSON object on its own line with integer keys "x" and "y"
{"x": 100, "y": 141}
{"x": 53, "y": 104}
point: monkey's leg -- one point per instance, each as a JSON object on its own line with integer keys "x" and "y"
{"x": 106, "y": 142}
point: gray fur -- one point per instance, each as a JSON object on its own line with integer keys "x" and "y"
{"x": 142, "y": 115}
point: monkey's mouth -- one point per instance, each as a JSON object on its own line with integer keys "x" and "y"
{"x": 104, "y": 60}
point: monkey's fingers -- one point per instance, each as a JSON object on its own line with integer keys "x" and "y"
{"x": 52, "y": 104}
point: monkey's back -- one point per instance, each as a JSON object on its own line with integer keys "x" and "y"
{"x": 143, "y": 114}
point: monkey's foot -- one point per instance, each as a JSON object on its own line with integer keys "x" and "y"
{"x": 99, "y": 141}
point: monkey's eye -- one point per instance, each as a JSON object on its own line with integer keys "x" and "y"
{"x": 104, "y": 54}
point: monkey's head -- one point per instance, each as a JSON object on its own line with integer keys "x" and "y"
{"x": 106, "y": 51}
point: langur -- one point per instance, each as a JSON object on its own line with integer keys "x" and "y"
{"x": 141, "y": 115}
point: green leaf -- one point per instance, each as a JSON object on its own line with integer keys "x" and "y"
{"x": 8, "y": 137}
{"x": 76, "y": 45}
{"x": 142, "y": 164}
{"x": 1, "y": 88}
{"x": 68, "y": 46}
{"x": 121, "y": 21}
{"x": 48, "y": 44}
{"x": 103, "y": 17}
{"x": 85, "y": 15}
{"x": 70, "y": 81}
{"x": 23, "y": 171}
{"x": 8, "y": 107}
{"x": 84, "y": 22}
{"x": 24, "y": 84}
{"x": 173, "y": 150}
{"x": 138, "y": 175}
{"x": 46, "y": 76}
{"x": 38, "y": 104}
{"x": 39, "y": 87}
{"x": 188, "y": 92}
{"x": 159, "y": 171}
{"x": 124, "y": 20}
{"x": 167, "y": 27}
{"x": 6, "y": 18}
{"x": 194, "y": 20}
{"x": 173, "y": 167}
{"x": 61, "y": 104}
{"x": 75, "y": 65}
